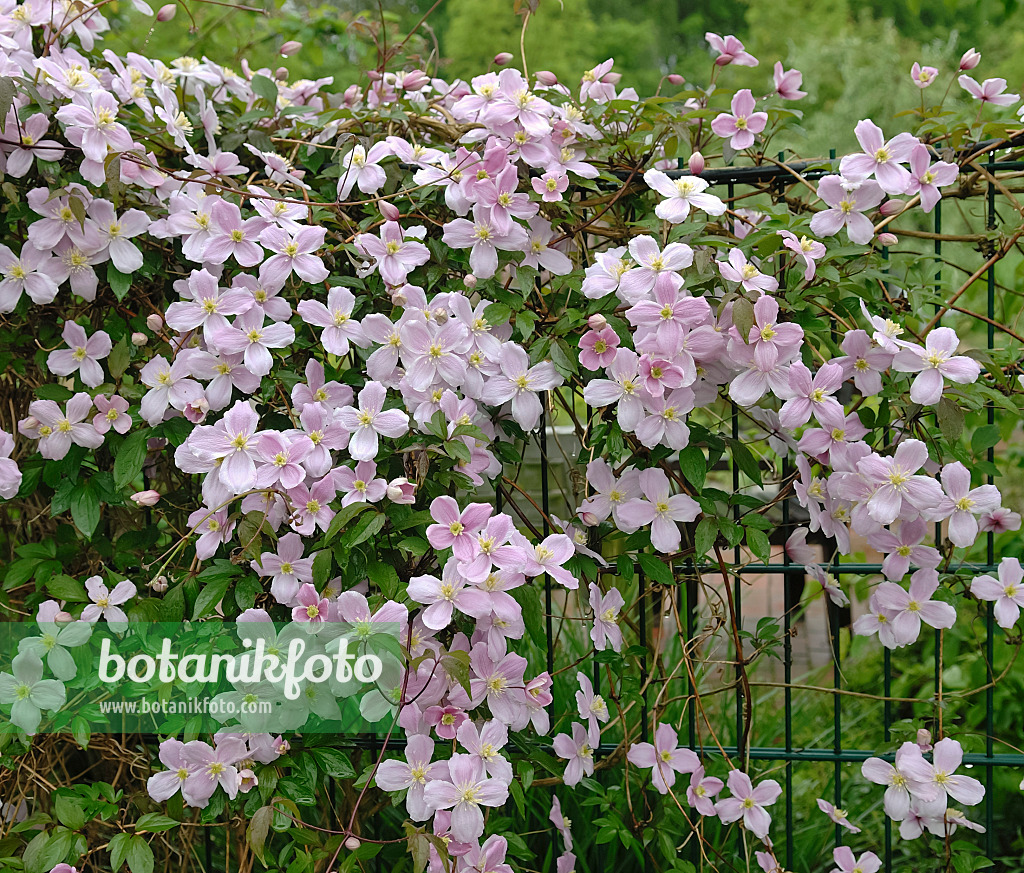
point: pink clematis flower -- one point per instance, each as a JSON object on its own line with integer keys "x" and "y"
{"x": 922, "y": 77}
{"x": 748, "y": 803}
{"x": 468, "y": 789}
{"x": 808, "y": 250}
{"x": 547, "y": 556}
{"x": 212, "y": 768}
{"x": 360, "y": 485}
{"x": 414, "y": 774}
{"x": 837, "y": 815}
{"x": 664, "y": 758}
{"x": 213, "y": 529}
{"x": 235, "y": 439}
{"x": 340, "y": 329}
{"x": 456, "y": 530}
{"x": 913, "y": 607}
{"x": 598, "y": 348}
{"x": 551, "y": 186}
{"x": 811, "y": 396}
{"x": 880, "y": 158}
{"x": 741, "y": 126}
{"x": 788, "y": 82}
{"x": 651, "y": 262}
{"x": 392, "y": 254}
{"x": 293, "y": 254}
{"x": 936, "y": 361}
{"x": 83, "y": 355}
{"x": 963, "y": 503}
{"x": 847, "y": 202}
{"x": 578, "y": 751}
{"x": 520, "y": 383}
{"x": 730, "y": 51}
{"x": 863, "y": 361}
{"x": 900, "y": 493}
{"x": 253, "y": 339}
{"x": 902, "y": 546}
{"x": 989, "y": 91}
{"x": 1007, "y": 592}
{"x": 287, "y": 570}
{"x": 683, "y": 194}
{"x": 56, "y": 430}
{"x": 92, "y": 125}
{"x": 32, "y": 272}
{"x": 370, "y": 421}
{"x": 112, "y": 413}
{"x": 909, "y": 777}
{"x": 312, "y": 506}
{"x": 701, "y": 789}
{"x": 443, "y": 596}
{"x": 846, "y": 862}
{"x": 660, "y": 510}
{"x": 310, "y": 607}
{"x": 926, "y": 178}
{"x": 106, "y": 603}
{"x": 282, "y": 460}
{"x": 606, "y": 632}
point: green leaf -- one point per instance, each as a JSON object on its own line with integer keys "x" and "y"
{"x": 624, "y": 564}
{"x": 120, "y": 356}
{"x": 155, "y": 822}
{"x": 140, "y": 856}
{"x": 65, "y": 588}
{"x": 69, "y": 811}
{"x": 130, "y": 459}
{"x": 8, "y": 90}
{"x": 951, "y": 419}
{"x": 704, "y": 539}
{"x": 265, "y": 88}
{"x": 85, "y": 508}
{"x": 694, "y": 466}
{"x": 385, "y": 577}
{"x": 758, "y": 542}
{"x": 456, "y": 665}
{"x": 746, "y": 461}
{"x": 368, "y": 526}
{"x": 118, "y": 848}
{"x": 985, "y": 438}
{"x": 334, "y": 763}
{"x": 655, "y": 569}
{"x": 322, "y": 568}
{"x": 120, "y": 283}
{"x": 743, "y": 316}
{"x": 259, "y": 827}
{"x": 211, "y": 594}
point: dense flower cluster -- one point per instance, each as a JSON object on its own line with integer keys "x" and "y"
{"x": 400, "y": 361}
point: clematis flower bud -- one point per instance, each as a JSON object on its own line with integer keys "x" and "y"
{"x": 696, "y": 163}
{"x": 139, "y": 338}
{"x": 281, "y": 74}
{"x": 398, "y": 297}
{"x": 546, "y": 77}
{"x": 597, "y": 322}
{"x": 166, "y": 13}
{"x": 352, "y": 843}
{"x": 159, "y": 585}
{"x": 675, "y": 79}
{"x": 892, "y": 207}
{"x": 146, "y": 498}
{"x": 413, "y": 81}
{"x": 290, "y": 48}
{"x": 401, "y": 490}
{"x": 888, "y": 239}
{"x": 502, "y": 58}
{"x": 389, "y": 211}
{"x": 154, "y": 321}
{"x": 63, "y": 617}
{"x": 589, "y": 519}
{"x": 924, "y": 739}
{"x": 970, "y": 59}
{"x": 469, "y": 280}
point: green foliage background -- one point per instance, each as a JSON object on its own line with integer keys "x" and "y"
{"x": 846, "y": 48}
